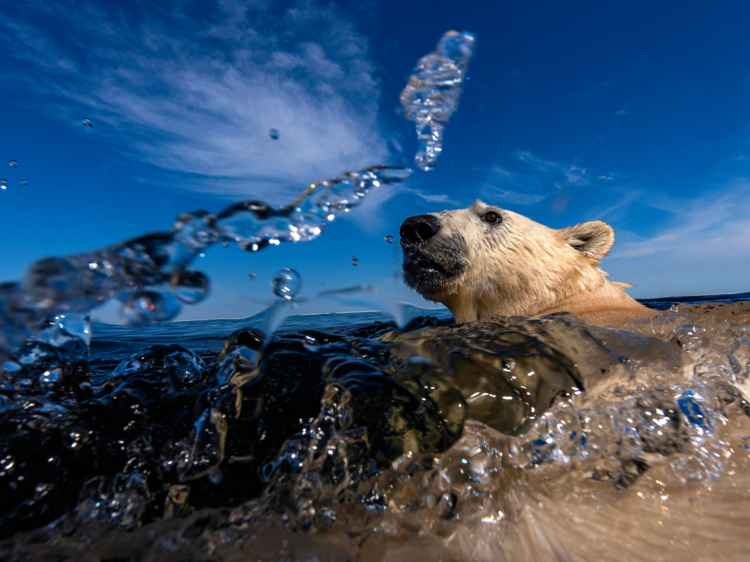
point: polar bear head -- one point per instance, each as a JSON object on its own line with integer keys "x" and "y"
{"x": 485, "y": 260}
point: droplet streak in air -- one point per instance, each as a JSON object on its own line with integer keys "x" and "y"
{"x": 24, "y": 182}
{"x": 140, "y": 272}
{"x": 355, "y": 260}
{"x": 389, "y": 239}
{"x": 87, "y": 123}
{"x": 3, "y": 184}
{"x": 286, "y": 283}
{"x": 433, "y": 90}
{"x": 12, "y": 163}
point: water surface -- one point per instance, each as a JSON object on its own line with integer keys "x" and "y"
{"x": 343, "y": 438}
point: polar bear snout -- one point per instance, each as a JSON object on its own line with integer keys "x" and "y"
{"x": 433, "y": 259}
{"x": 417, "y": 231}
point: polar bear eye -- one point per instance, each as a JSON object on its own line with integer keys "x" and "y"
{"x": 491, "y": 217}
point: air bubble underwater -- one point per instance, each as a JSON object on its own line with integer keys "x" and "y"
{"x": 12, "y": 163}
{"x": 87, "y": 123}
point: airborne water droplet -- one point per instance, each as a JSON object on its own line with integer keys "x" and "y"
{"x": 226, "y": 242}
{"x": 251, "y": 276}
{"x": 274, "y": 134}
{"x": 286, "y": 283}
{"x": 24, "y": 182}
{"x": 145, "y": 307}
{"x": 3, "y": 184}
{"x": 389, "y": 239}
{"x": 355, "y": 261}
{"x": 12, "y": 163}
{"x": 88, "y": 122}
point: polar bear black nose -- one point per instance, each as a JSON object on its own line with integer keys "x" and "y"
{"x": 418, "y": 230}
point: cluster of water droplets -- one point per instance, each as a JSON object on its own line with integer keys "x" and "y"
{"x": 433, "y": 90}
{"x": 620, "y": 438}
{"x": 4, "y": 183}
{"x": 151, "y": 276}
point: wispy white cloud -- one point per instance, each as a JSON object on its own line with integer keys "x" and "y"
{"x": 714, "y": 226}
{"x": 596, "y": 90}
{"x": 623, "y": 111}
{"x": 196, "y": 95}
{"x": 526, "y": 179}
{"x": 429, "y": 197}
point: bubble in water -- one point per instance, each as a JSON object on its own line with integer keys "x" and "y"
{"x": 3, "y": 184}
{"x": 389, "y": 239}
{"x": 11, "y": 367}
{"x": 24, "y": 182}
{"x": 274, "y": 134}
{"x": 226, "y": 242}
{"x": 50, "y": 376}
{"x": 433, "y": 90}
{"x": 355, "y": 260}
{"x": 251, "y": 276}
{"x": 87, "y": 123}
{"x": 13, "y": 163}
{"x": 190, "y": 287}
{"x": 286, "y": 283}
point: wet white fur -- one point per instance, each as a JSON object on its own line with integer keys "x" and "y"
{"x": 521, "y": 267}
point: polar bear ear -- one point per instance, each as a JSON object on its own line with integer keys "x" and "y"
{"x": 593, "y": 239}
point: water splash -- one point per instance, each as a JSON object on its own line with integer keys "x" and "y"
{"x": 480, "y": 433}
{"x": 376, "y": 296}
{"x": 150, "y": 274}
{"x": 433, "y": 90}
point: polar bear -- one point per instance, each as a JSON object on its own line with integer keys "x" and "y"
{"x": 485, "y": 260}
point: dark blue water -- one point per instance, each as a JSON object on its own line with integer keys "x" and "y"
{"x": 115, "y": 341}
{"x": 663, "y": 303}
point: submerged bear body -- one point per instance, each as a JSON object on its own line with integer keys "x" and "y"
{"x": 485, "y": 260}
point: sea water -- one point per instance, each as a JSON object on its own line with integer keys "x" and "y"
{"x": 342, "y": 437}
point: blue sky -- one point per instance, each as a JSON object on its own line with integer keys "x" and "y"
{"x": 636, "y": 113}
